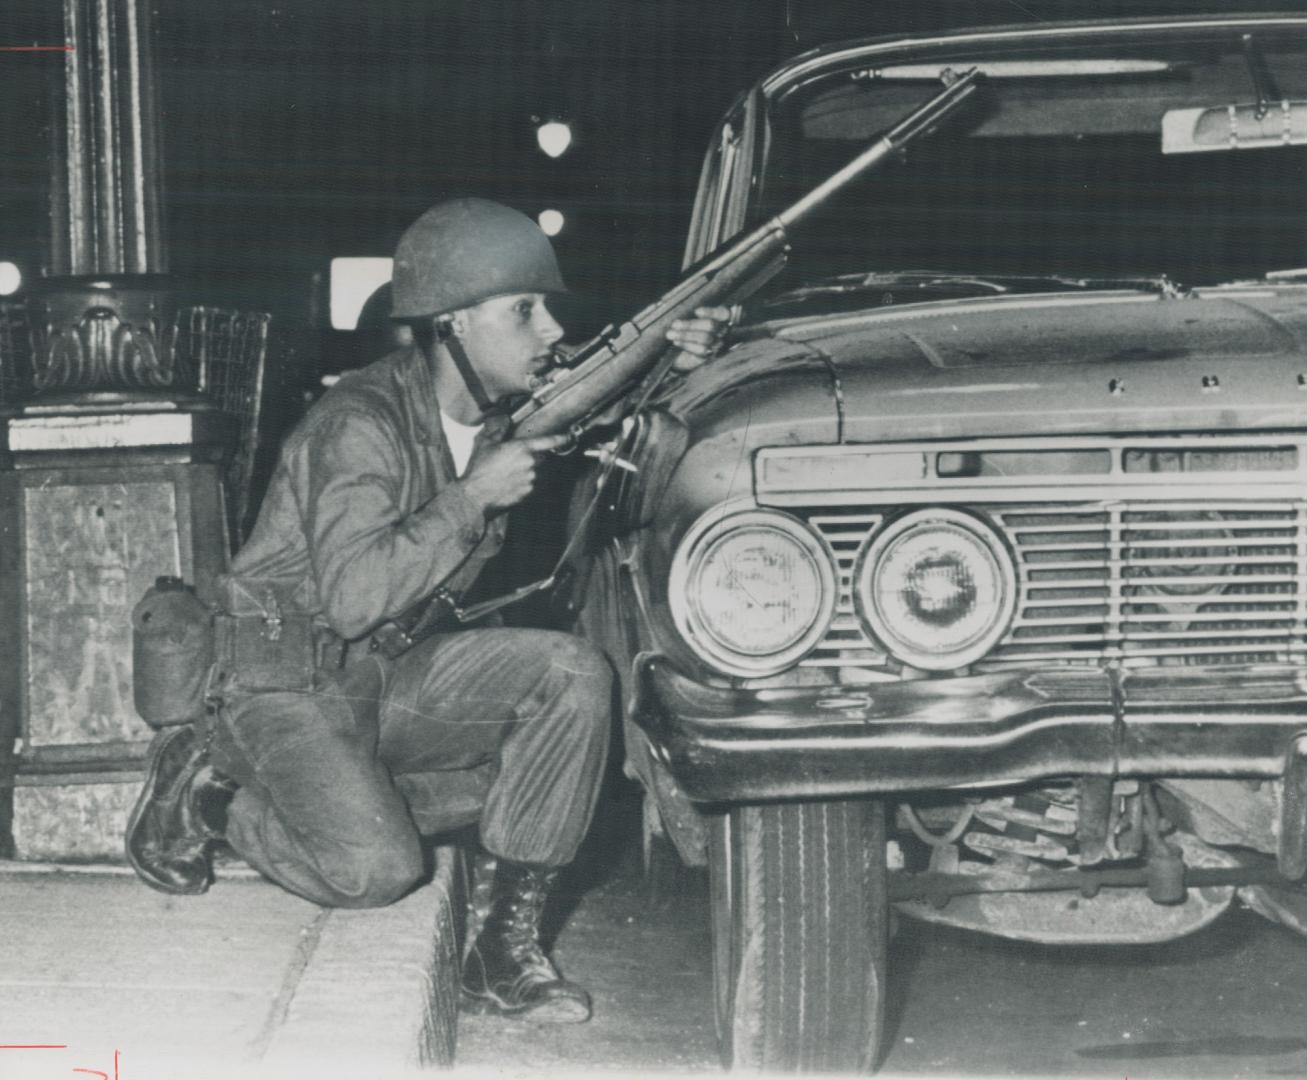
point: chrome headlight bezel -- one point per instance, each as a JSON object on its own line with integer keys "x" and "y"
{"x": 685, "y": 592}
{"x": 880, "y": 625}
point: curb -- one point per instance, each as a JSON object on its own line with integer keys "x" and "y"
{"x": 376, "y": 987}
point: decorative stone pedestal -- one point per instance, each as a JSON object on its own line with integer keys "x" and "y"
{"x": 132, "y": 414}
{"x": 83, "y": 541}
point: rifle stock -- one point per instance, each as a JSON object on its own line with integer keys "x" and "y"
{"x": 604, "y": 367}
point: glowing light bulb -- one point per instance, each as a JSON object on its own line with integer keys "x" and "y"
{"x": 551, "y": 222}
{"x": 10, "y": 278}
{"x": 554, "y": 137}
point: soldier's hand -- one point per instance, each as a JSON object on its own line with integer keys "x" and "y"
{"x": 502, "y": 474}
{"x": 699, "y": 338}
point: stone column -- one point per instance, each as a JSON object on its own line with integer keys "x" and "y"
{"x": 105, "y": 169}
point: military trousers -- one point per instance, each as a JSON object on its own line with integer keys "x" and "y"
{"x": 504, "y": 728}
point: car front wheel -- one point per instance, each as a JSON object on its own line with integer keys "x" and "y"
{"x": 799, "y": 924}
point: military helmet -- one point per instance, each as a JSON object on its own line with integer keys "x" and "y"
{"x": 463, "y": 251}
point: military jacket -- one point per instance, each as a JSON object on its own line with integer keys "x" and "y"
{"x": 364, "y": 515}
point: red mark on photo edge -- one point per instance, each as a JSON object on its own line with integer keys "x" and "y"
{"x": 117, "y": 1056}
{"x": 103, "y": 1075}
{"x": 35, "y": 48}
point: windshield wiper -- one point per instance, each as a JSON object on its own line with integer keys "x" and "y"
{"x": 1162, "y": 285}
{"x": 995, "y": 284}
{"x": 925, "y": 279}
{"x": 1027, "y": 69}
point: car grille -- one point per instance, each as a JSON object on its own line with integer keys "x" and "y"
{"x": 846, "y": 643}
{"x": 1137, "y": 583}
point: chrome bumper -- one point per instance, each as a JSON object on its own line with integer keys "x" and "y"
{"x": 726, "y": 745}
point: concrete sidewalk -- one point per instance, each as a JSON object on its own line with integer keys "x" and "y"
{"x": 100, "y": 975}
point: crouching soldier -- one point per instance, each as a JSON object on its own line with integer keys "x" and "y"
{"x": 335, "y": 748}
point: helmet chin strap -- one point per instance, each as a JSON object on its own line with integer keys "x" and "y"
{"x": 471, "y": 379}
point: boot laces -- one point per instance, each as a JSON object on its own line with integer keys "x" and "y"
{"x": 521, "y": 929}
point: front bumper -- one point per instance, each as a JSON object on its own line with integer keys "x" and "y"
{"x": 726, "y": 745}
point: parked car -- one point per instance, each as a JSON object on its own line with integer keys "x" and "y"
{"x": 971, "y": 582}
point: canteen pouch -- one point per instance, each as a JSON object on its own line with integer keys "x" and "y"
{"x": 265, "y": 652}
{"x": 172, "y": 653}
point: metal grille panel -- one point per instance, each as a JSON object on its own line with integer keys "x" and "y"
{"x": 1158, "y": 583}
{"x": 1138, "y": 582}
{"x": 15, "y": 350}
{"x": 845, "y": 644}
{"x": 227, "y": 353}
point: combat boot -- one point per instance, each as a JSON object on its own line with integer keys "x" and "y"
{"x": 506, "y": 970}
{"x": 179, "y": 815}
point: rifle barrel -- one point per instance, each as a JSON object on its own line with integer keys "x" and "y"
{"x": 917, "y": 123}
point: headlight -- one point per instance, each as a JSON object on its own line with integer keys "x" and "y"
{"x": 937, "y": 588}
{"x": 752, "y": 592}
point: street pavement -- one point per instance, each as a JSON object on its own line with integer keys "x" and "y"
{"x": 102, "y": 977}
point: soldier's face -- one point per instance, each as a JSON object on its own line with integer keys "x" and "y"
{"x": 509, "y": 340}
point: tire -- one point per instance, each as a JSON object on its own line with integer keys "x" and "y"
{"x": 799, "y": 918}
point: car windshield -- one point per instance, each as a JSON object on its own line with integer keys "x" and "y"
{"x": 1057, "y": 177}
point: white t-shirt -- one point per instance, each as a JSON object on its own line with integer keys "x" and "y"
{"x": 460, "y": 438}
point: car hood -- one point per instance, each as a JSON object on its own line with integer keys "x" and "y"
{"x": 1222, "y": 359}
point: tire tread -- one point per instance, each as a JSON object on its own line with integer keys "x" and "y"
{"x": 810, "y": 922}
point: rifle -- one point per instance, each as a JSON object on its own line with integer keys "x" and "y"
{"x": 601, "y": 370}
